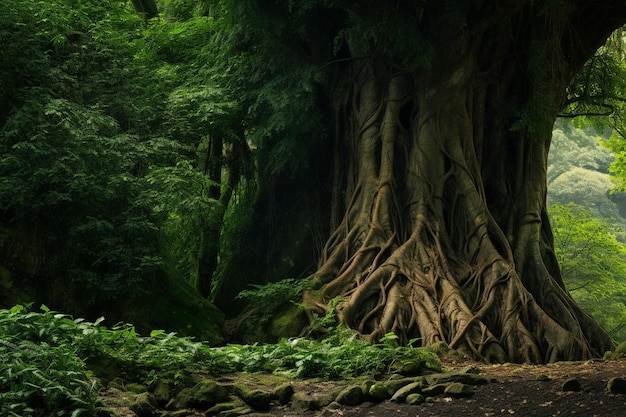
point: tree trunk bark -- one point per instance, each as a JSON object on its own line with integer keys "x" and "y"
{"x": 445, "y": 235}
{"x": 225, "y": 168}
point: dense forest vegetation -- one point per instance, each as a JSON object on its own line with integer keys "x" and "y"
{"x": 160, "y": 168}
{"x": 588, "y": 223}
{"x": 106, "y": 197}
{"x": 239, "y": 172}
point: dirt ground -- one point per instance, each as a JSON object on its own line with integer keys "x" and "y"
{"x": 513, "y": 390}
{"x": 519, "y": 390}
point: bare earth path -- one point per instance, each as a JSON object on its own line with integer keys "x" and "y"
{"x": 521, "y": 390}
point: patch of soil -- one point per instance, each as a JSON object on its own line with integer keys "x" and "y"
{"x": 521, "y": 390}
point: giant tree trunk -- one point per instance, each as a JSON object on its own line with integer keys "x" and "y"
{"x": 445, "y": 235}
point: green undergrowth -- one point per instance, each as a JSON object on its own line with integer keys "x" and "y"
{"x": 53, "y": 364}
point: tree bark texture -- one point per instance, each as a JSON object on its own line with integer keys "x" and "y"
{"x": 442, "y": 182}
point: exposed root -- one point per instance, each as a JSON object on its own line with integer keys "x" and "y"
{"x": 420, "y": 254}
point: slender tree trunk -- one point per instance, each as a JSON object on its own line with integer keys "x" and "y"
{"x": 225, "y": 171}
{"x": 210, "y": 224}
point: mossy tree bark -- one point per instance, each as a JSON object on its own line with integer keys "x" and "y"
{"x": 444, "y": 235}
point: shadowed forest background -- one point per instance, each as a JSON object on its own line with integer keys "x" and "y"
{"x": 170, "y": 167}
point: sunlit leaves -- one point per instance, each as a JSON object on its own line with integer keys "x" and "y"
{"x": 196, "y": 111}
{"x": 593, "y": 264}
{"x": 580, "y": 148}
{"x": 577, "y": 171}
{"x": 599, "y": 93}
{"x": 586, "y": 186}
{"x": 589, "y": 235}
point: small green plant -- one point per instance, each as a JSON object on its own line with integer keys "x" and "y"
{"x": 268, "y": 299}
{"x": 328, "y": 322}
{"x": 268, "y": 295}
{"x": 389, "y": 339}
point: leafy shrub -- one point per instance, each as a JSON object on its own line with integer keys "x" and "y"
{"x": 267, "y": 299}
{"x": 50, "y": 362}
{"x": 40, "y": 371}
{"x": 68, "y": 182}
{"x": 332, "y": 358}
{"x": 268, "y": 295}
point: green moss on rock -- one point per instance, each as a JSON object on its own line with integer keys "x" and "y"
{"x": 351, "y": 396}
{"x": 414, "y": 399}
{"x": 205, "y": 394}
{"x": 288, "y": 321}
{"x": 162, "y": 391}
{"x": 284, "y": 392}
{"x": 223, "y": 408}
{"x": 136, "y": 388}
{"x": 255, "y": 398}
{"x": 378, "y": 392}
{"x": 143, "y": 405}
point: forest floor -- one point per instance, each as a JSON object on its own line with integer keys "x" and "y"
{"x": 512, "y": 390}
{"x": 520, "y": 390}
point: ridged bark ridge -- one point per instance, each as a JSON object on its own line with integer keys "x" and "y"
{"x": 444, "y": 235}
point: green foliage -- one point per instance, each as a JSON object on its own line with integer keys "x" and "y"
{"x": 180, "y": 10}
{"x": 388, "y": 31}
{"x": 191, "y": 194}
{"x": 69, "y": 179}
{"x": 587, "y": 187}
{"x": 104, "y": 126}
{"x": 578, "y": 167}
{"x": 51, "y": 363}
{"x": 329, "y": 321}
{"x": 597, "y": 95}
{"x": 68, "y": 170}
{"x": 180, "y": 198}
{"x": 588, "y": 234}
{"x": 585, "y": 245}
{"x": 267, "y": 295}
{"x": 119, "y": 350}
{"x": 268, "y": 299}
{"x": 593, "y": 265}
{"x": 576, "y": 148}
{"x": 333, "y": 358}
{"x": 262, "y": 60}
{"x": 40, "y": 370}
